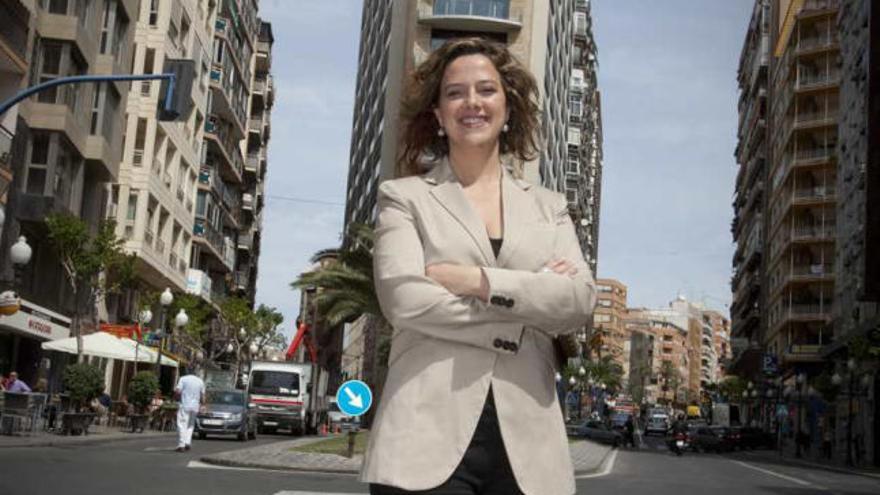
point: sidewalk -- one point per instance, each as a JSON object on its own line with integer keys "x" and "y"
{"x": 97, "y": 435}
{"x": 809, "y": 459}
{"x": 586, "y": 456}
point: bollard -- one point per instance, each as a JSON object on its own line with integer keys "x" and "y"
{"x": 351, "y": 437}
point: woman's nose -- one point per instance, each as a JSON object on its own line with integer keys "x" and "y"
{"x": 472, "y": 97}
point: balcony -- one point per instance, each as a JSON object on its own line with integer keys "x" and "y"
{"x": 225, "y": 195}
{"x": 225, "y": 145}
{"x": 805, "y": 197}
{"x": 209, "y": 236}
{"x": 252, "y": 163}
{"x": 816, "y": 44}
{"x": 247, "y": 201}
{"x": 224, "y": 101}
{"x": 242, "y": 280}
{"x": 13, "y": 36}
{"x": 246, "y": 241}
{"x": 255, "y": 124}
{"x": 807, "y": 81}
{"x": 811, "y": 120}
{"x": 809, "y": 157}
{"x": 803, "y": 353}
{"x": 493, "y": 16}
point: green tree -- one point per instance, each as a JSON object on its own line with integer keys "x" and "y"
{"x": 94, "y": 265}
{"x": 344, "y": 291}
{"x": 671, "y": 379}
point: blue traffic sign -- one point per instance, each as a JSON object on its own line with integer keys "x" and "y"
{"x": 354, "y": 398}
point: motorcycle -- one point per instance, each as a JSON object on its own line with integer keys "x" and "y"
{"x": 678, "y": 443}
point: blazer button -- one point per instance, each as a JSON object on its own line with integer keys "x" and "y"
{"x": 506, "y": 345}
{"x": 497, "y": 343}
{"x": 497, "y": 300}
{"x": 509, "y": 303}
{"x": 513, "y": 347}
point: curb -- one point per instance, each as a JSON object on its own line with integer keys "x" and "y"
{"x": 807, "y": 464}
{"x": 300, "y": 469}
{"x": 275, "y": 467}
{"x": 85, "y": 440}
{"x": 598, "y": 467}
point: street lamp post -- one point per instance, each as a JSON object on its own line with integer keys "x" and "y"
{"x": 801, "y": 379}
{"x": 165, "y": 300}
{"x": 144, "y": 318}
{"x": 20, "y": 255}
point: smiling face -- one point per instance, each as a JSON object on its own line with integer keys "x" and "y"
{"x": 472, "y": 106}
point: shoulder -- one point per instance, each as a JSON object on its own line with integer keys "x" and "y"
{"x": 403, "y": 186}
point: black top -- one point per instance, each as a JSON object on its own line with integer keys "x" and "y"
{"x": 496, "y": 245}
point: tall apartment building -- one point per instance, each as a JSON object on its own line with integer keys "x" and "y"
{"x": 785, "y": 278}
{"x": 13, "y": 71}
{"x": 610, "y": 335}
{"x": 553, "y": 39}
{"x": 153, "y": 201}
{"x": 230, "y": 197}
{"x": 66, "y": 148}
{"x": 748, "y": 308}
{"x": 821, "y": 282}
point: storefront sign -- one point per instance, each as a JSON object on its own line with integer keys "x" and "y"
{"x": 36, "y": 322}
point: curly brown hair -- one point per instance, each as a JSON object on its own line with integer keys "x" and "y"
{"x": 422, "y": 91}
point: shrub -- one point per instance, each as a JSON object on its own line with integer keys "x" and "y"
{"x": 83, "y": 382}
{"x": 142, "y": 389}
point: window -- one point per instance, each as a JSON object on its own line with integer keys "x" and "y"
{"x": 606, "y": 303}
{"x": 131, "y": 213}
{"x": 39, "y": 162}
{"x": 96, "y": 107}
{"x": 58, "y": 7}
{"x": 50, "y": 68}
{"x": 106, "y": 24}
{"x": 154, "y": 12}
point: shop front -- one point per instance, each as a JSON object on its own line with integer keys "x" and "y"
{"x": 22, "y": 333}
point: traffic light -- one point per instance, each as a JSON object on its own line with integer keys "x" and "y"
{"x": 181, "y": 98}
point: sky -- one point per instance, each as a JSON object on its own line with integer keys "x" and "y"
{"x": 667, "y": 74}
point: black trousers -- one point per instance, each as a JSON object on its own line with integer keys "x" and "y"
{"x": 484, "y": 470}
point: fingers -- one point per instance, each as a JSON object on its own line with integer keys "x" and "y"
{"x": 561, "y": 266}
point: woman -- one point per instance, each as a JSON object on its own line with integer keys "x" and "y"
{"x": 476, "y": 270}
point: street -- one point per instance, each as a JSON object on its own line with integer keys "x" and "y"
{"x": 152, "y": 467}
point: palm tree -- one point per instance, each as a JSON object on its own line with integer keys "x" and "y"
{"x": 606, "y": 370}
{"x": 345, "y": 292}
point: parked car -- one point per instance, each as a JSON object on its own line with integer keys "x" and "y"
{"x": 756, "y": 438}
{"x": 711, "y": 439}
{"x": 226, "y": 413}
{"x": 618, "y": 421}
{"x": 658, "y": 423}
{"x": 339, "y": 419}
{"x": 595, "y": 430}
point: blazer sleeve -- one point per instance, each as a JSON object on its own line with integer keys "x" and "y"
{"x": 412, "y": 301}
{"x": 552, "y": 302}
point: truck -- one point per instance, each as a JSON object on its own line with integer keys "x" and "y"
{"x": 288, "y": 395}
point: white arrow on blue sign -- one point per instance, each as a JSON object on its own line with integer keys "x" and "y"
{"x": 354, "y": 398}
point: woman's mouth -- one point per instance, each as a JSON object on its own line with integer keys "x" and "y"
{"x": 474, "y": 122}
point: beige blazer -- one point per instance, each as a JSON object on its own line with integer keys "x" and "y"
{"x": 447, "y": 349}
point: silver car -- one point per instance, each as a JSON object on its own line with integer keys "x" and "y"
{"x": 657, "y": 424}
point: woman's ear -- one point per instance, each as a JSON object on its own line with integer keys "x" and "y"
{"x": 437, "y": 116}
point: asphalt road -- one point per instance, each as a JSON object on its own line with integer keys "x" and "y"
{"x": 152, "y": 467}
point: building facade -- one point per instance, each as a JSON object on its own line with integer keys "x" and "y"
{"x": 817, "y": 308}
{"x": 610, "y": 337}
{"x": 65, "y": 149}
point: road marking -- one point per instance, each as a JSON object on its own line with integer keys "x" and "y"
{"x": 779, "y": 475}
{"x": 606, "y": 467}
{"x": 297, "y": 492}
{"x": 205, "y": 465}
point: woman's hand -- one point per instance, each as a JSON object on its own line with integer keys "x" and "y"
{"x": 561, "y": 266}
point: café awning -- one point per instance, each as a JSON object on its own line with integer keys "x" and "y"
{"x": 105, "y": 345}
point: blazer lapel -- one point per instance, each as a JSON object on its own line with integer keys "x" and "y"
{"x": 514, "y": 204}
{"x": 451, "y": 196}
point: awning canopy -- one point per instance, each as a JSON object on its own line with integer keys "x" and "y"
{"x": 102, "y": 344}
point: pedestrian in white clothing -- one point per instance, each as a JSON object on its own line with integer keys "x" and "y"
{"x": 190, "y": 391}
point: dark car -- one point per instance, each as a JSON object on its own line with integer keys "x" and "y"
{"x": 756, "y": 438}
{"x": 226, "y": 413}
{"x": 711, "y": 439}
{"x": 595, "y": 430}
{"x": 618, "y": 421}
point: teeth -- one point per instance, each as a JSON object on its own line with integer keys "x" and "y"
{"x": 473, "y": 120}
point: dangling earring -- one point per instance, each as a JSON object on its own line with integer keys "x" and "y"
{"x": 505, "y": 128}
{"x": 441, "y": 132}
